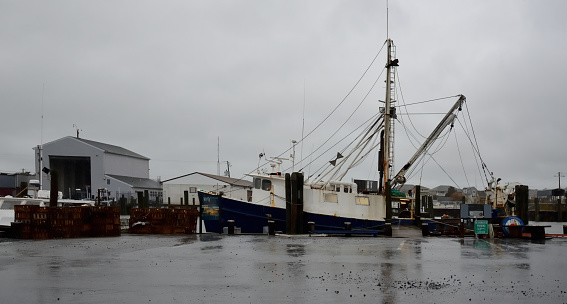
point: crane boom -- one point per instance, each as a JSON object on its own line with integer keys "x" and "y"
{"x": 400, "y": 179}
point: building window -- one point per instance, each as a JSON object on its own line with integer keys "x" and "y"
{"x": 108, "y": 181}
{"x": 192, "y": 189}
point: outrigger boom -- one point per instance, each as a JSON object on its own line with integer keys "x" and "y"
{"x": 400, "y": 179}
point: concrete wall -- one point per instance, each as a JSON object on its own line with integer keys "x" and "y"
{"x": 127, "y": 166}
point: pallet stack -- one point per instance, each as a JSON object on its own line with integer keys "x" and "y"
{"x": 34, "y": 222}
{"x": 105, "y": 221}
{"x": 163, "y": 221}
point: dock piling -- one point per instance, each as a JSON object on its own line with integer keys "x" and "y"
{"x": 271, "y": 228}
{"x": 348, "y": 228}
{"x": 311, "y": 227}
{"x": 424, "y": 229}
{"x": 388, "y": 229}
{"x": 230, "y": 227}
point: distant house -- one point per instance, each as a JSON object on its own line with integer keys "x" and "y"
{"x": 182, "y": 190}
{"x": 442, "y": 190}
{"x": 87, "y": 167}
{"x": 409, "y": 189}
{"x": 474, "y": 196}
{"x": 470, "y": 191}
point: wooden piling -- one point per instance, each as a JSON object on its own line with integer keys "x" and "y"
{"x": 388, "y": 191}
{"x": 311, "y": 226}
{"x": 417, "y": 209}
{"x": 288, "y": 219}
{"x": 271, "y": 228}
{"x": 300, "y": 215}
{"x": 388, "y": 229}
{"x": 424, "y": 229}
{"x": 230, "y": 227}
{"x": 54, "y": 191}
{"x": 347, "y": 228}
{"x": 522, "y": 193}
{"x": 296, "y": 215}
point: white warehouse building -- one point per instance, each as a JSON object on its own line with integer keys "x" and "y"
{"x": 85, "y": 166}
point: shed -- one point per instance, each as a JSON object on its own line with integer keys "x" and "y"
{"x": 182, "y": 190}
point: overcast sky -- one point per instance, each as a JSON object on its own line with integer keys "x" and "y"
{"x": 171, "y": 79}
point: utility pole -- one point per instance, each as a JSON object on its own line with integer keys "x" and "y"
{"x": 560, "y": 194}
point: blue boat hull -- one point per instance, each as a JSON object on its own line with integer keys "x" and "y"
{"x": 252, "y": 218}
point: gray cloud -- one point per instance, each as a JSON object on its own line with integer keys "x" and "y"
{"x": 166, "y": 79}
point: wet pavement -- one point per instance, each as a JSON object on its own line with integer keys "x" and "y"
{"x": 283, "y": 269}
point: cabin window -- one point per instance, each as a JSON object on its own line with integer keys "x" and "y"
{"x": 331, "y": 198}
{"x": 362, "y": 200}
{"x": 266, "y": 184}
{"x": 257, "y": 183}
{"x": 347, "y": 189}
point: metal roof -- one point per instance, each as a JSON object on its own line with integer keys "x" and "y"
{"x": 111, "y": 148}
{"x": 137, "y": 182}
{"x": 228, "y": 180}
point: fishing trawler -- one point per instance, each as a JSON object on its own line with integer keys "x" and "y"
{"x": 326, "y": 202}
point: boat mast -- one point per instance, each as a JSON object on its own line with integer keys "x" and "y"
{"x": 388, "y": 139}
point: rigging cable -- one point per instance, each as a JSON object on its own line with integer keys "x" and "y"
{"x": 333, "y": 111}
{"x": 326, "y": 165}
{"x": 477, "y": 149}
{"x": 461, "y": 158}
{"x": 466, "y": 128}
{"x": 350, "y": 116}
{"x": 439, "y": 147}
{"x": 347, "y": 95}
{"x": 399, "y": 86}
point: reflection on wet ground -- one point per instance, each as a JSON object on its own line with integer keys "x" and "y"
{"x": 216, "y": 268}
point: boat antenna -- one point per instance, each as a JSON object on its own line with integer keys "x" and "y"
{"x": 259, "y": 159}
{"x": 387, "y": 20}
